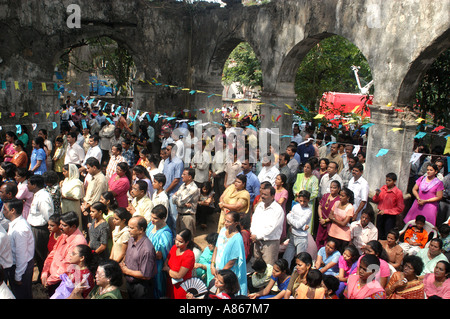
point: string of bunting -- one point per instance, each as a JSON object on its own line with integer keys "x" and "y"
{"x": 438, "y": 130}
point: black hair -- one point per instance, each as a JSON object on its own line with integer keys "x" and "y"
{"x": 243, "y": 179}
{"x": 349, "y": 193}
{"x": 230, "y": 281}
{"x": 392, "y": 176}
{"x": 50, "y": 177}
{"x": 9, "y": 168}
{"x": 186, "y": 234}
{"x": 11, "y": 187}
{"x": 211, "y": 238}
{"x": 37, "y": 180}
{"x": 421, "y": 218}
{"x": 305, "y": 194}
{"x": 331, "y": 282}
{"x": 416, "y": 263}
{"x": 70, "y": 218}
{"x": 314, "y": 278}
{"x": 93, "y": 162}
{"x": 304, "y": 257}
{"x": 109, "y": 196}
{"x": 141, "y": 170}
{"x": 283, "y": 265}
{"x": 160, "y": 178}
{"x": 100, "y": 207}
{"x": 259, "y": 265}
{"x": 15, "y": 204}
{"x": 160, "y": 211}
{"x": 123, "y": 214}
{"x": 143, "y": 186}
{"x": 112, "y": 271}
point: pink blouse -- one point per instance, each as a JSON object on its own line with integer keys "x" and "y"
{"x": 120, "y": 187}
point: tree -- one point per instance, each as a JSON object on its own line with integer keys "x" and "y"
{"x": 327, "y": 67}
{"x": 433, "y": 94}
{"x": 242, "y": 66}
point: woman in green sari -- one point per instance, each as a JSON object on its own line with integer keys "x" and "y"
{"x": 161, "y": 237}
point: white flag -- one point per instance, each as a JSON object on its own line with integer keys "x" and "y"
{"x": 415, "y": 157}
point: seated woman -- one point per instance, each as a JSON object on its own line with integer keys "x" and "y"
{"x": 225, "y": 285}
{"x": 108, "y": 279}
{"x": 328, "y": 258}
{"x": 393, "y": 250}
{"x": 280, "y": 276}
{"x": 359, "y": 286}
{"x": 347, "y": 264}
{"x": 437, "y": 284}
{"x": 406, "y": 284}
{"x": 303, "y": 263}
{"x": 374, "y": 247}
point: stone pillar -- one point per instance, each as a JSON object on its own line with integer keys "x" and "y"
{"x": 399, "y": 143}
{"x": 273, "y": 106}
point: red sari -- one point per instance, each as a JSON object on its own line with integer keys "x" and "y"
{"x": 187, "y": 260}
{"x": 322, "y": 231}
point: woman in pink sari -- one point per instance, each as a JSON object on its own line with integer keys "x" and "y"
{"x": 7, "y": 152}
{"x": 325, "y": 205}
{"x": 363, "y": 285}
{"x": 428, "y": 192}
{"x": 119, "y": 184}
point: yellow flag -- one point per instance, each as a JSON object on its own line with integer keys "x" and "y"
{"x": 395, "y": 129}
{"x": 16, "y": 84}
{"x": 48, "y": 114}
{"x": 319, "y": 116}
{"x": 419, "y": 120}
{"x": 44, "y": 86}
{"x": 25, "y": 114}
{"x": 354, "y": 110}
{"x": 447, "y": 146}
{"x": 289, "y": 107}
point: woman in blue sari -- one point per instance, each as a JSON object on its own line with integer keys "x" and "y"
{"x": 162, "y": 239}
{"x": 229, "y": 252}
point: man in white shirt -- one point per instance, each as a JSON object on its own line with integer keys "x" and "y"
{"x": 6, "y": 258}
{"x": 74, "y": 152}
{"x": 218, "y": 169}
{"x": 93, "y": 151}
{"x": 159, "y": 196}
{"x": 21, "y": 238}
{"x": 360, "y": 189}
{"x": 267, "y": 226}
{"x": 362, "y": 231}
{"x": 268, "y": 171}
{"x": 201, "y": 162}
{"x": 105, "y": 134}
{"x": 331, "y": 175}
{"x": 40, "y": 211}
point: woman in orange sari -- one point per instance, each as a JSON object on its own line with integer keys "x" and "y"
{"x": 406, "y": 284}
{"x": 235, "y": 198}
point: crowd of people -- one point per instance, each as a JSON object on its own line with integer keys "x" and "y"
{"x": 112, "y": 206}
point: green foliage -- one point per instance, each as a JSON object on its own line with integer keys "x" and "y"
{"x": 433, "y": 94}
{"x": 327, "y": 67}
{"x": 242, "y": 66}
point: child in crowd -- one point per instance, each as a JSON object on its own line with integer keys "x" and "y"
{"x": 120, "y": 234}
{"x": 58, "y": 157}
{"x": 54, "y": 189}
{"x": 347, "y": 263}
{"x": 331, "y": 285}
{"x": 55, "y": 231}
{"x": 299, "y": 218}
{"x": 205, "y": 205}
{"x": 99, "y": 230}
{"x": 279, "y": 279}
{"x": 390, "y": 204}
{"x": 159, "y": 196}
{"x": 203, "y": 266}
{"x": 415, "y": 237}
{"x": 261, "y": 275}
{"x": 313, "y": 288}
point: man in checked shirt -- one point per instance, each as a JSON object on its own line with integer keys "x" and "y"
{"x": 186, "y": 198}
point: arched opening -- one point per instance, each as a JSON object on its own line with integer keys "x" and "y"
{"x": 329, "y": 75}
{"x": 98, "y": 67}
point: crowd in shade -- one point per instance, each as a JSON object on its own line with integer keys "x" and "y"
{"x": 160, "y": 207}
